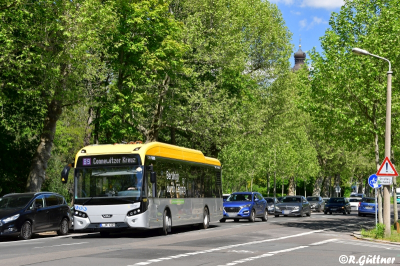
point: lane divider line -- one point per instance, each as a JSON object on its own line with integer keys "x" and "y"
{"x": 269, "y": 254}
{"x": 224, "y": 247}
{"x": 61, "y": 245}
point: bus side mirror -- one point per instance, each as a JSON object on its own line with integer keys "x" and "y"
{"x": 153, "y": 177}
{"x": 65, "y": 173}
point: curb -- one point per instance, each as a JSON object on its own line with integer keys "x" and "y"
{"x": 358, "y": 236}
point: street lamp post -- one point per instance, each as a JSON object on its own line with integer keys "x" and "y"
{"x": 386, "y": 196}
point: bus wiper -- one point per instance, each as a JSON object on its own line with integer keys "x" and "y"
{"x": 83, "y": 204}
{"x": 123, "y": 199}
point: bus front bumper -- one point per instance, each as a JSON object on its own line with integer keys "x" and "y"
{"x": 135, "y": 221}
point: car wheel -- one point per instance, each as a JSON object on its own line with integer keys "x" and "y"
{"x": 236, "y": 220}
{"x": 325, "y": 212}
{"x": 167, "y": 224}
{"x": 359, "y": 214}
{"x": 64, "y": 228}
{"x": 222, "y": 220}
{"x": 104, "y": 234}
{"x": 308, "y": 214}
{"x": 276, "y": 215}
{"x": 26, "y": 230}
{"x": 330, "y": 213}
{"x": 252, "y": 218}
{"x": 265, "y": 217}
{"x": 344, "y": 212}
{"x": 364, "y": 215}
{"x": 349, "y": 212}
{"x": 301, "y": 213}
{"x": 206, "y": 219}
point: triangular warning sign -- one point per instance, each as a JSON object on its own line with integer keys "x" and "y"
{"x": 387, "y": 169}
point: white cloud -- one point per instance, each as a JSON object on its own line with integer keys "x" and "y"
{"x": 303, "y": 23}
{"x": 315, "y": 21}
{"x": 295, "y": 12}
{"x": 286, "y": 2}
{"x": 328, "y": 4}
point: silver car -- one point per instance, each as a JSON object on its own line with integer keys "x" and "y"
{"x": 271, "y": 202}
{"x": 317, "y": 203}
{"x": 293, "y": 206}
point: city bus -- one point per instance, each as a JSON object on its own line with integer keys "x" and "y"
{"x": 144, "y": 186}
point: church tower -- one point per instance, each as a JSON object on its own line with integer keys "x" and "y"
{"x": 299, "y": 58}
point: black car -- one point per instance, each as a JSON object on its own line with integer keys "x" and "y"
{"x": 22, "y": 214}
{"x": 340, "y": 205}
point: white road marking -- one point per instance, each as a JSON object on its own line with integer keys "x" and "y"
{"x": 42, "y": 239}
{"x": 323, "y": 242}
{"x": 63, "y": 245}
{"x": 227, "y": 247}
{"x": 370, "y": 244}
{"x": 269, "y": 254}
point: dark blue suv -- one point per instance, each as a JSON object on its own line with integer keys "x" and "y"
{"x": 245, "y": 205}
{"x": 22, "y": 214}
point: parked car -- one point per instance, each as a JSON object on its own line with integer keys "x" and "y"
{"x": 245, "y": 205}
{"x": 354, "y": 202}
{"x": 271, "y": 202}
{"x": 326, "y": 199}
{"x": 279, "y": 198}
{"x": 357, "y": 195}
{"x": 225, "y": 197}
{"x": 293, "y": 206}
{"x": 317, "y": 203}
{"x": 22, "y": 214}
{"x": 340, "y": 205}
{"x": 367, "y": 206}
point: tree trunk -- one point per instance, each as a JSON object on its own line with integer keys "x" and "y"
{"x": 173, "y": 141}
{"x": 317, "y": 186}
{"x": 97, "y": 126}
{"x": 39, "y": 163}
{"x": 291, "y": 191}
{"x": 88, "y": 132}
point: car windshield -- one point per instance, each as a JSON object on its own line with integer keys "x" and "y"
{"x": 368, "y": 200}
{"x": 109, "y": 182}
{"x": 313, "y": 199}
{"x": 269, "y": 200}
{"x": 336, "y": 200}
{"x": 239, "y": 197}
{"x": 291, "y": 199}
{"x": 356, "y": 195}
{"x": 14, "y": 202}
{"x": 355, "y": 200}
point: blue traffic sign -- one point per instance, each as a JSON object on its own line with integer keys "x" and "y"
{"x": 373, "y": 181}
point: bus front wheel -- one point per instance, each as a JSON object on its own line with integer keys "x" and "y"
{"x": 167, "y": 223}
{"x": 206, "y": 219}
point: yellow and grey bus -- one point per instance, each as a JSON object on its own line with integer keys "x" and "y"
{"x": 144, "y": 186}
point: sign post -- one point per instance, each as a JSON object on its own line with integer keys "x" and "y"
{"x": 374, "y": 183}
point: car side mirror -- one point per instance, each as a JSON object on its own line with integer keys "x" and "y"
{"x": 153, "y": 177}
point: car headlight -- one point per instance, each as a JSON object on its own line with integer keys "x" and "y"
{"x": 10, "y": 219}
{"x": 277, "y": 208}
{"x": 296, "y": 208}
{"x": 246, "y": 206}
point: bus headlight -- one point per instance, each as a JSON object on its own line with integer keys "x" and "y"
{"x": 133, "y": 212}
{"x": 80, "y": 214}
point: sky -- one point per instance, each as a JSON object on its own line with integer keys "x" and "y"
{"x": 308, "y": 20}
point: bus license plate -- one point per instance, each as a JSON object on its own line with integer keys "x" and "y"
{"x": 107, "y": 225}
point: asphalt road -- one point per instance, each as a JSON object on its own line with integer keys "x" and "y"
{"x": 316, "y": 240}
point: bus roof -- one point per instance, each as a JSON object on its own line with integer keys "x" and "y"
{"x": 152, "y": 149}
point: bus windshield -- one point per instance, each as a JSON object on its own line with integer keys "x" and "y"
{"x": 109, "y": 182}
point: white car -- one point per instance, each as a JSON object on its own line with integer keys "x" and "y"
{"x": 354, "y": 203}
